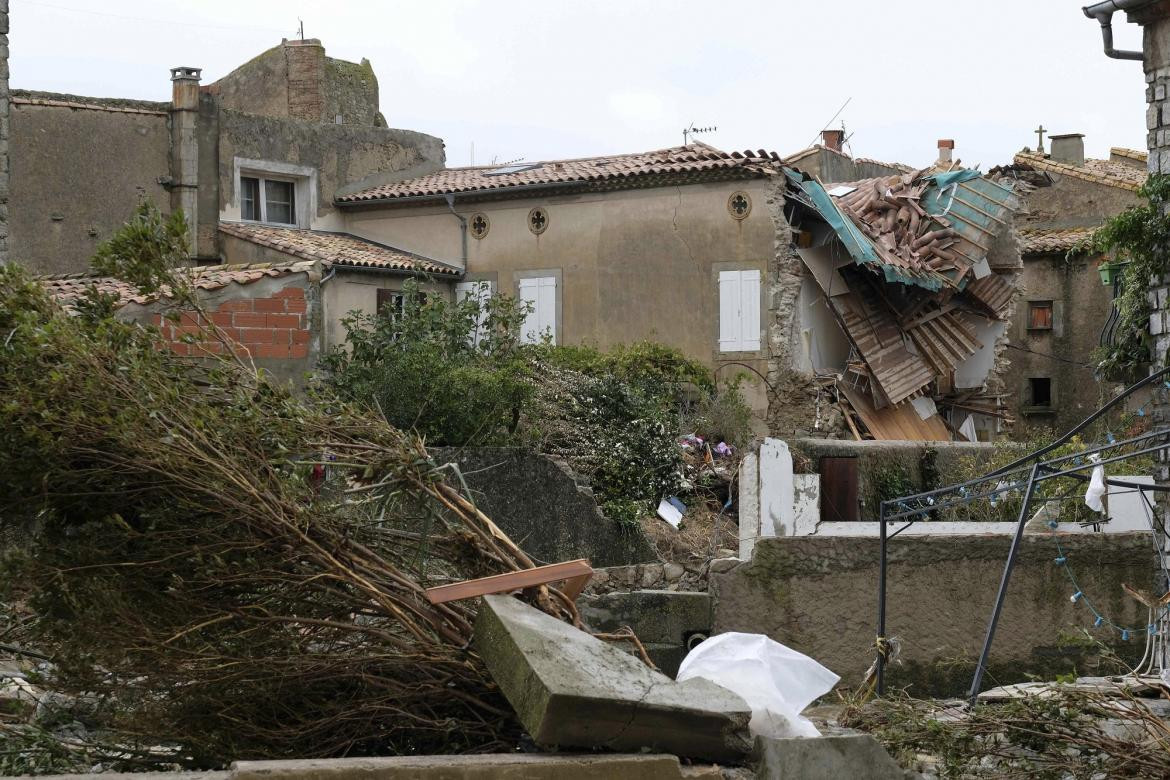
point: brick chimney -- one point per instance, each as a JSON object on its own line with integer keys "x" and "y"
{"x": 833, "y": 139}
{"x": 306, "y": 76}
{"x": 1068, "y": 148}
{"x": 185, "y": 145}
{"x": 946, "y": 147}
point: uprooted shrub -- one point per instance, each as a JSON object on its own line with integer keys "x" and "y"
{"x": 459, "y": 375}
{"x": 221, "y": 566}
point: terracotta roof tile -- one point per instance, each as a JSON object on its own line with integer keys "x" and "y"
{"x": 696, "y": 158}
{"x": 67, "y": 289}
{"x": 1132, "y": 154}
{"x": 1114, "y": 174}
{"x": 1038, "y": 241}
{"x": 341, "y": 249}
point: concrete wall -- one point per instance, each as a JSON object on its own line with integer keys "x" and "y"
{"x": 77, "y": 174}
{"x": 539, "y": 503}
{"x": 819, "y": 596}
{"x": 923, "y": 466}
{"x": 631, "y": 265}
{"x": 1072, "y": 202}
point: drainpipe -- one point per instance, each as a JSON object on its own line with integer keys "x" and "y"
{"x": 1103, "y": 13}
{"x": 462, "y": 226}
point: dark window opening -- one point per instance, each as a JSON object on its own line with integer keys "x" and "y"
{"x": 267, "y": 200}
{"x": 1040, "y": 391}
{"x": 1040, "y": 315}
{"x": 278, "y": 200}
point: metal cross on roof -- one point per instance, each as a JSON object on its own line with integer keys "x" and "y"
{"x": 1040, "y": 131}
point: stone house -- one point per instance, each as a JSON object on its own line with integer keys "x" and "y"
{"x": 1066, "y": 311}
{"x": 274, "y": 140}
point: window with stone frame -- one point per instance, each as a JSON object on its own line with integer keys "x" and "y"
{"x": 1039, "y": 315}
{"x": 264, "y": 199}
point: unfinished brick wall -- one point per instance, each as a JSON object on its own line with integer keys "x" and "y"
{"x": 306, "y": 71}
{"x": 277, "y": 326}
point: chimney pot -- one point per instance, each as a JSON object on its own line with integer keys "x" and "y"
{"x": 945, "y": 147}
{"x": 1068, "y": 148}
{"x": 185, "y": 88}
{"x": 833, "y": 139}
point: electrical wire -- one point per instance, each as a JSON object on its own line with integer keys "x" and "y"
{"x": 151, "y": 20}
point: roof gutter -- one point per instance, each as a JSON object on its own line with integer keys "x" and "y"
{"x": 440, "y": 197}
{"x": 394, "y": 271}
{"x": 450, "y": 198}
{"x": 1103, "y": 13}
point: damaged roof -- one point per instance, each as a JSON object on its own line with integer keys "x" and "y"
{"x": 1041, "y": 241}
{"x": 696, "y": 161}
{"x": 338, "y": 249}
{"x": 1114, "y": 174}
{"x": 917, "y": 287}
{"x": 69, "y": 288}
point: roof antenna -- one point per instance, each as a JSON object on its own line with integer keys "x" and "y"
{"x": 301, "y": 23}
{"x": 692, "y": 130}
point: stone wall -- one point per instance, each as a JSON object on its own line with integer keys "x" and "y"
{"x": 79, "y": 168}
{"x": 4, "y": 129}
{"x": 819, "y": 596}
{"x": 541, "y": 505}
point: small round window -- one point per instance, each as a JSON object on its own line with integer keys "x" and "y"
{"x": 739, "y": 205}
{"x": 538, "y": 220}
{"x": 480, "y": 225}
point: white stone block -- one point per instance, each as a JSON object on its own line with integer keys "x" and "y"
{"x": 749, "y": 504}
{"x": 776, "y": 490}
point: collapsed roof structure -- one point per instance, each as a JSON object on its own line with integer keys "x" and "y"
{"x": 906, "y": 309}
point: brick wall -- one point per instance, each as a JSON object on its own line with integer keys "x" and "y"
{"x": 274, "y": 327}
{"x": 306, "y": 71}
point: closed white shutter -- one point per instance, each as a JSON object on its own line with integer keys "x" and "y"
{"x": 749, "y": 310}
{"x": 541, "y": 293}
{"x": 481, "y": 291}
{"x": 739, "y": 311}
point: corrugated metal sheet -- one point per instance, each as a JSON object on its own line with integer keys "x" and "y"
{"x": 876, "y": 335}
{"x": 945, "y": 341}
{"x": 993, "y": 292}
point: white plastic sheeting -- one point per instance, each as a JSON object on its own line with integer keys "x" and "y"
{"x": 776, "y": 681}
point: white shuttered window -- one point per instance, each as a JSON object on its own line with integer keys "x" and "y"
{"x": 541, "y": 293}
{"x": 739, "y": 311}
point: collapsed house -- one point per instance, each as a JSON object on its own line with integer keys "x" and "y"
{"x": 904, "y": 308}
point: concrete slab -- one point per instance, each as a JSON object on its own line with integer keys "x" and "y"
{"x": 829, "y": 757}
{"x": 569, "y": 689}
{"x": 519, "y": 766}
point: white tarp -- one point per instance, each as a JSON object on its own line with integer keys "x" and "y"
{"x": 776, "y": 681}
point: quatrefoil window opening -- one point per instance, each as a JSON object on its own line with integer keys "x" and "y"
{"x": 538, "y": 220}
{"x": 739, "y": 205}
{"x": 480, "y": 225}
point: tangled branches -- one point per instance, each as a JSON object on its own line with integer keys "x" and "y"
{"x": 220, "y": 565}
{"x": 1066, "y": 732}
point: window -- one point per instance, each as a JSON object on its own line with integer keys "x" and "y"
{"x": 739, "y": 311}
{"x": 392, "y": 303}
{"x": 538, "y": 220}
{"x": 267, "y": 200}
{"x": 480, "y": 292}
{"x": 1039, "y": 315}
{"x": 1040, "y": 391}
{"x": 541, "y": 294}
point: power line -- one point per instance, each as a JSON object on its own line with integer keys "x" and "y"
{"x": 1049, "y": 356}
{"x": 38, "y": 4}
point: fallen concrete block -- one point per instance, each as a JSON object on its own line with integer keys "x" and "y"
{"x": 829, "y": 757}
{"x": 570, "y": 689}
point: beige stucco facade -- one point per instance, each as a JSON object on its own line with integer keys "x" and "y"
{"x": 630, "y": 265}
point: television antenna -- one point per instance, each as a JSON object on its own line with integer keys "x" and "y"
{"x": 692, "y": 130}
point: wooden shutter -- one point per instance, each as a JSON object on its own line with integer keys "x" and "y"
{"x": 739, "y": 311}
{"x": 729, "y": 293}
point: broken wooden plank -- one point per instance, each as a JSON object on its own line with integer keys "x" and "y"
{"x": 575, "y": 574}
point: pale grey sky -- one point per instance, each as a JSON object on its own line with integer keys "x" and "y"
{"x": 540, "y": 80}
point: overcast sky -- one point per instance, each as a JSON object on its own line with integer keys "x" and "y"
{"x": 542, "y": 80}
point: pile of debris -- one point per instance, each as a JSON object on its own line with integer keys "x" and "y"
{"x": 902, "y": 266}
